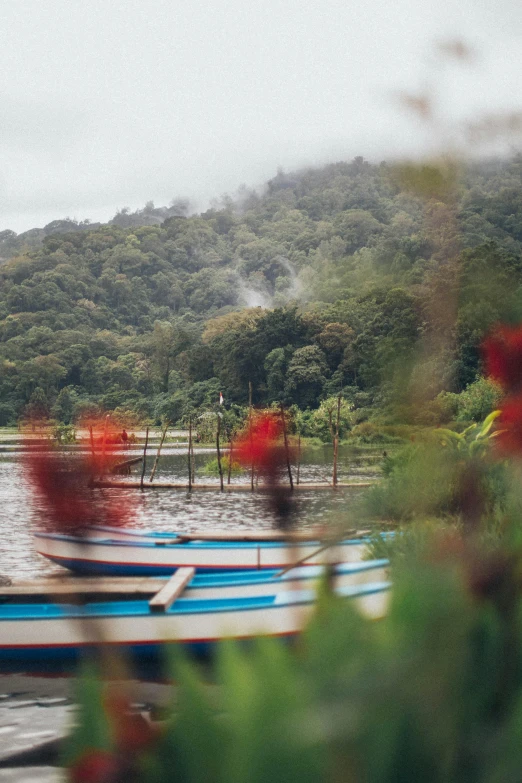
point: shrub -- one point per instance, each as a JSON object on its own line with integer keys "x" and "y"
{"x": 211, "y": 468}
{"x": 7, "y": 414}
{"x": 432, "y": 692}
{"x": 317, "y": 423}
{"x": 370, "y": 433}
{"x": 473, "y": 404}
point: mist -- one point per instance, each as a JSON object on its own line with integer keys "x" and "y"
{"x": 112, "y": 105}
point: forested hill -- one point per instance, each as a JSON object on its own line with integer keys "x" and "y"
{"x": 336, "y": 276}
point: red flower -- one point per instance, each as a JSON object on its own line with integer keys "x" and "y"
{"x": 95, "y": 766}
{"x": 132, "y": 733}
{"x": 509, "y": 438}
{"x": 502, "y": 352}
{"x": 260, "y": 446}
{"x": 62, "y": 494}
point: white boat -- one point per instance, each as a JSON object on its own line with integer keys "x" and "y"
{"x": 57, "y": 632}
{"x": 150, "y": 555}
{"x": 201, "y": 586}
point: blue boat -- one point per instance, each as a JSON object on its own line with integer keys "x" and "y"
{"x": 60, "y": 632}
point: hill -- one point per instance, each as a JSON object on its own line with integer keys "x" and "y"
{"x": 379, "y": 280}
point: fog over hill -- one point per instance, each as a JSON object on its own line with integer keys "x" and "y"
{"x": 345, "y": 270}
{"x": 111, "y": 104}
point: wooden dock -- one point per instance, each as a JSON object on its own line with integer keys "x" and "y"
{"x": 85, "y": 585}
{"x": 108, "y": 484}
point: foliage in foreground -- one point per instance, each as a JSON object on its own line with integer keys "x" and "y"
{"x": 445, "y": 474}
{"x": 433, "y": 692}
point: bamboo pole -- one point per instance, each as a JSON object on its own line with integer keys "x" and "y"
{"x": 230, "y": 451}
{"x": 190, "y": 455}
{"x": 298, "y": 457}
{"x": 144, "y": 458}
{"x": 287, "y": 452}
{"x": 220, "y": 468}
{"x": 250, "y": 433}
{"x": 193, "y": 462}
{"x": 91, "y": 438}
{"x": 335, "y": 542}
{"x": 93, "y": 455}
{"x": 104, "y": 446}
{"x": 236, "y": 487}
{"x": 336, "y": 442}
{"x": 163, "y": 435}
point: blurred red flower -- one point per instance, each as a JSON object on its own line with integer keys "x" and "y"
{"x": 61, "y": 485}
{"x": 509, "y": 436}
{"x": 132, "y": 733}
{"x": 261, "y": 447}
{"x": 95, "y": 766}
{"x": 260, "y": 444}
{"x": 502, "y": 352}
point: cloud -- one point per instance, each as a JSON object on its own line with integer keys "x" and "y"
{"x": 36, "y": 128}
{"x": 107, "y": 104}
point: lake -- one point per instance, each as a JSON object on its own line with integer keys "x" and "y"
{"x": 176, "y": 509}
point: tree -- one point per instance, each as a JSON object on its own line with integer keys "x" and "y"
{"x": 38, "y": 407}
{"x": 306, "y": 376}
{"x": 322, "y": 420}
{"x": 163, "y": 344}
{"x": 276, "y": 365}
{"x": 7, "y": 414}
{"x": 336, "y": 340}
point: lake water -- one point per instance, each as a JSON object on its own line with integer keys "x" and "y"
{"x": 176, "y": 509}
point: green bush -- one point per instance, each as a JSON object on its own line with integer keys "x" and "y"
{"x": 473, "y": 404}
{"x": 430, "y": 477}
{"x": 211, "y": 468}
{"x": 64, "y": 434}
{"x": 432, "y": 693}
{"x": 318, "y": 423}
{"x": 369, "y": 433}
{"x": 7, "y": 414}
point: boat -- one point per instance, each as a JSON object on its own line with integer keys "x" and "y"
{"x": 235, "y": 535}
{"x": 206, "y": 586}
{"x": 155, "y": 555}
{"x": 230, "y": 535}
{"x": 62, "y": 632}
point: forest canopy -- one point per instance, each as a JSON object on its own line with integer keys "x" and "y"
{"x": 341, "y": 277}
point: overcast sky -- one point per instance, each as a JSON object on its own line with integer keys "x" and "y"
{"x": 110, "y": 103}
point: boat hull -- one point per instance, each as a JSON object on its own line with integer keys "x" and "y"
{"x": 99, "y": 556}
{"x": 60, "y": 632}
{"x": 251, "y": 584}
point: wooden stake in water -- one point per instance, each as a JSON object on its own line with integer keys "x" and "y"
{"x": 336, "y": 441}
{"x": 163, "y": 435}
{"x": 220, "y": 468}
{"x": 250, "y": 433}
{"x": 144, "y": 458}
{"x": 93, "y": 463}
{"x": 190, "y": 455}
{"x": 230, "y": 451}
{"x": 104, "y": 446}
{"x": 298, "y": 457}
{"x": 193, "y": 462}
{"x": 287, "y": 452}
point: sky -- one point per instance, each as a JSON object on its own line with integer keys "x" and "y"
{"x": 112, "y": 103}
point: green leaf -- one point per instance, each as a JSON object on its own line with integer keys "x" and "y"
{"x": 91, "y": 728}
{"x": 488, "y": 423}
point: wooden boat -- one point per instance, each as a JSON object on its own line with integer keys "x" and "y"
{"x": 156, "y": 555}
{"x": 57, "y": 632}
{"x": 206, "y": 586}
{"x": 231, "y": 536}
